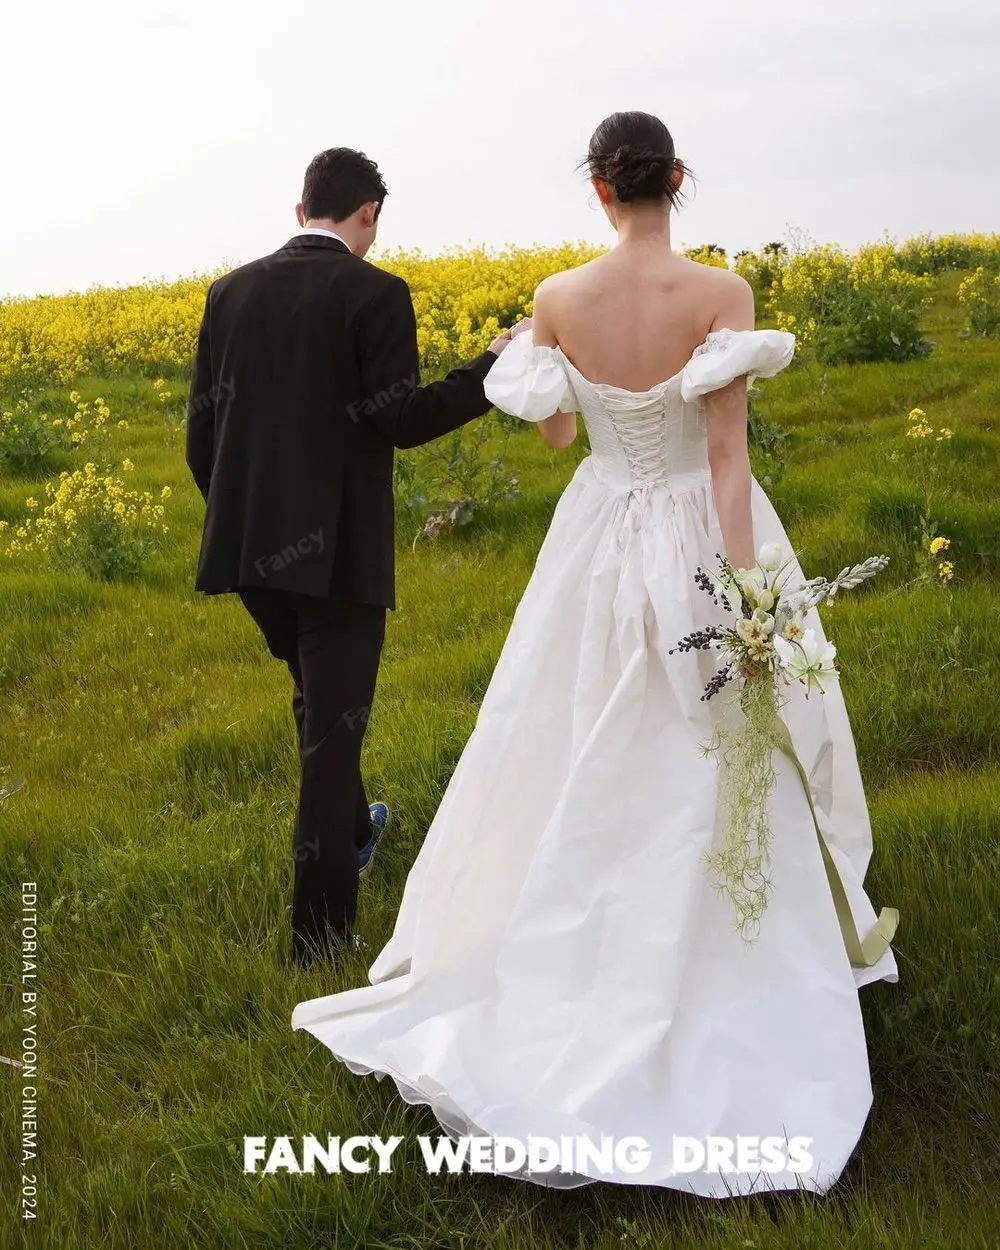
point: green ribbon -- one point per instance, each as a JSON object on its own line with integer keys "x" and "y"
{"x": 863, "y": 953}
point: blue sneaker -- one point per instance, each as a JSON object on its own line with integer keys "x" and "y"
{"x": 379, "y": 818}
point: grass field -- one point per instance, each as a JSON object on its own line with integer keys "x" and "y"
{"x": 155, "y": 738}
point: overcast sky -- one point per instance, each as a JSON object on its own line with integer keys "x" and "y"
{"x": 161, "y": 139}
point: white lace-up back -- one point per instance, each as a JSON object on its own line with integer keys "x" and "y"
{"x": 640, "y": 440}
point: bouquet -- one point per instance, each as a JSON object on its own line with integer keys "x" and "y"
{"x": 765, "y": 648}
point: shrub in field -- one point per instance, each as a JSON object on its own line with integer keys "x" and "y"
{"x": 30, "y": 436}
{"x": 761, "y": 270}
{"x": 847, "y": 308}
{"x": 979, "y": 295}
{"x": 92, "y": 524}
{"x": 925, "y": 254}
{"x": 452, "y": 479}
{"x": 926, "y": 444}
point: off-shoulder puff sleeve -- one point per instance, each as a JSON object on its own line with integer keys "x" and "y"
{"x": 529, "y": 381}
{"x": 728, "y": 354}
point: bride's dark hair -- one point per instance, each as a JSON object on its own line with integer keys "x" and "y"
{"x": 634, "y": 154}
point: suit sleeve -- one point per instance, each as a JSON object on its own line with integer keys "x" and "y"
{"x": 200, "y": 438}
{"x": 393, "y": 401}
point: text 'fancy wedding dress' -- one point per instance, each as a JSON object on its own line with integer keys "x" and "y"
{"x": 562, "y": 964}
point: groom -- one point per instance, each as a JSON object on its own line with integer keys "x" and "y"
{"x": 306, "y": 378}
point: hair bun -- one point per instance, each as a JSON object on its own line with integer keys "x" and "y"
{"x": 634, "y": 154}
{"x": 638, "y": 172}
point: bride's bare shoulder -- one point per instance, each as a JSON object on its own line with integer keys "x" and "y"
{"x": 723, "y": 296}
{"x": 713, "y": 275}
{"x": 570, "y": 279}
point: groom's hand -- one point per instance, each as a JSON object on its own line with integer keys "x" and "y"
{"x": 501, "y": 341}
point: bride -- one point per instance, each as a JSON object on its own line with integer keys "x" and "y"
{"x": 562, "y": 963}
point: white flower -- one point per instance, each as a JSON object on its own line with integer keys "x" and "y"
{"x": 793, "y": 629}
{"x": 769, "y": 557}
{"x": 765, "y": 599}
{"x": 755, "y": 630}
{"x": 750, "y": 583}
{"x": 750, "y": 577}
{"x": 807, "y": 660}
{"x": 764, "y": 620}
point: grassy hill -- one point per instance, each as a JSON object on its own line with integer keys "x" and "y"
{"x": 156, "y": 741}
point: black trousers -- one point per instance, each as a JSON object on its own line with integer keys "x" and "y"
{"x": 332, "y": 649}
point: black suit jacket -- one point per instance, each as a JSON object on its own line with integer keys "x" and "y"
{"x": 306, "y": 379}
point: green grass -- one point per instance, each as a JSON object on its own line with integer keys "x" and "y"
{"x": 155, "y": 738}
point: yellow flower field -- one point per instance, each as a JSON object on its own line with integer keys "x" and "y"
{"x": 461, "y": 299}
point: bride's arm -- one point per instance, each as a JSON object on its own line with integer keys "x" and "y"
{"x": 559, "y": 430}
{"x": 728, "y": 452}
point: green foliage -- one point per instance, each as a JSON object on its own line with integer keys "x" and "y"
{"x": 457, "y": 477}
{"x": 768, "y": 443}
{"x": 33, "y": 438}
{"x": 851, "y": 308}
{"x": 929, "y": 254}
{"x": 979, "y": 295}
{"x": 761, "y": 270}
{"x": 91, "y": 524}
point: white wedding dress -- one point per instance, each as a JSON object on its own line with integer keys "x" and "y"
{"x": 561, "y": 963}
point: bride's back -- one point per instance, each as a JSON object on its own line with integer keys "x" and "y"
{"x": 632, "y": 317}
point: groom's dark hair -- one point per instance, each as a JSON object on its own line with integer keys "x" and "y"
{"x": 338, "y": 182}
